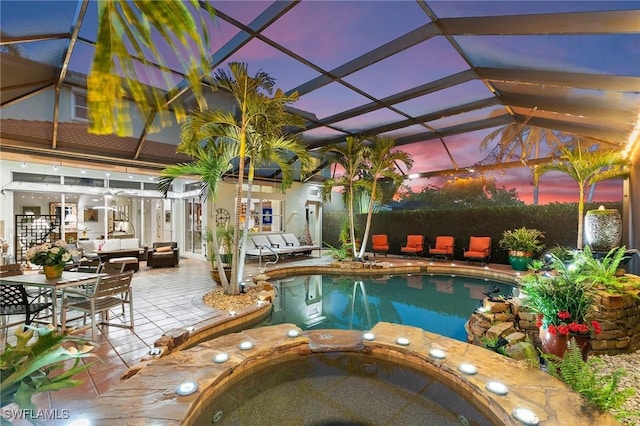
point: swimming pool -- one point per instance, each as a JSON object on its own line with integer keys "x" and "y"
{"x": 436, "y": 303}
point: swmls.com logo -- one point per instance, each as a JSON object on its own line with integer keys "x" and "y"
{"x": 44, "y": 414}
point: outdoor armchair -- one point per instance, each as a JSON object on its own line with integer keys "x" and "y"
{"x": 380, "y": 244}
{"x": 443, "y": 247}
{"x": 479, "y": 249}
{"x": 414, "y": 245}
{"x": 163, "y": 254}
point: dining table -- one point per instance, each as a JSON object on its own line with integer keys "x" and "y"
{"x": 53, "y": 287}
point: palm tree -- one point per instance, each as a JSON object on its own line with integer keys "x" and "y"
{"x": 258, "y": 129}
{"x": 382, "y": 163}
{"x": 212, "y": 158}
{"x": 522, "y": 142}
{"x": 127, "y": 29}
{"x": 352, "y": 157}
{"x": 586, "y": 167}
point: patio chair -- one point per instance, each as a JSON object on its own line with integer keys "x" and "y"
{"x": 163, "y": 254}
{"x": 414, "y": 245}
{"x": 14, "y": 299}
{"x": 443, "y": 247}
{"x": 107, "y": 292}
{"x": 479, "y": 249}
{"x": 380, "y": 244}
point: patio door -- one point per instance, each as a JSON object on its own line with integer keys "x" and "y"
{"x": 193, "y": 226}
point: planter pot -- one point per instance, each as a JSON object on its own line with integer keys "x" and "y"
{"x": 520, "y": 260}
{"x": 603, "y": 229}
{"x": 216, "y": 276}
{"x": 557, "y": 344}
{"x": 53, "y": 271}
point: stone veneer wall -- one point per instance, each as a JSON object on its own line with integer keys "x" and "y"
{"x": 619, "y": 316}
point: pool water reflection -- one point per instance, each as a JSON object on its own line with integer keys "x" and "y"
{"x": 436, "y": 303}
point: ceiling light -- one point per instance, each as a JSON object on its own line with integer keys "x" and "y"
{"x": 24, "y": 164}
{"x": 83, "y": 171}
{"x": 130, "y": 176}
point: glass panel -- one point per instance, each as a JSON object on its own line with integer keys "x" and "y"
{"x": 31, "y": 177}
{"x": 330, "y": 34}
{"x": 372, "y": 119}
{"x": 289, "y": 73}
{"x": 466, "y": 117}
{"x": 427, "y": 61}
{"x": 81, "y": 58}
{"x": 446, "y": 9}
{"x": 446, "y": 98}
{"x": 320, "y": 133}
{"x": 48, "y": 52}
{"x": 21, "y": 18}
{"x": 556, "y": 53}
{"x": 325, "y": 101}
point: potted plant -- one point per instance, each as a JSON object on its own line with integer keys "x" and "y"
{"x": 522, "y": 244}
{"x": 564, "y": 302}
{"x": 224, "y": 236}
{"x": 52, "y": 257}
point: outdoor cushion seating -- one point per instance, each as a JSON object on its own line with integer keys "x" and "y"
{"x": 414, "y": 245}
{"x": 479, "y": 249}
{"x": 298, "y": 246}
{"x": 112, "y": 248}
{"x": 444, "y": 247}
{"x": 264, "y": 242}
{"x": 129, "y": 263}
{"x": 163, "y": 254}
{"x": 380, "y": 244}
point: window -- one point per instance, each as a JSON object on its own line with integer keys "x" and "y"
{"x": 79, "y": 107}
{"x": 264, "y": 215}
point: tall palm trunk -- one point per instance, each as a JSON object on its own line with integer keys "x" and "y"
{"x": 367, "y": 226}
{"x": 235, "y": 279}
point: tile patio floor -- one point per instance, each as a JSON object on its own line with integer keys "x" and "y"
{"x": 164, "y": 299}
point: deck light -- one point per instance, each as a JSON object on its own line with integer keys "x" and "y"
{"x": 293, "y": 333}
{"x": 186, "y": 388}
{"x": 438, "y": 353}
{"x": 190, "y": 329}
{"x": 221, "y": 357}
{"x": 467, "y": 368}
{"x": 497, "y": 388}
{"x": 402, "y": 341}
{"x": 232, "y": 313}
{"x": 526, "y": 416}
{"x": 245, "y": 345}
{"x": 368, "y": 336}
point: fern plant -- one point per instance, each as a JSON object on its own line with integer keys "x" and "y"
{"x": 587, "y": 379}
{"x": 602, "y": 271}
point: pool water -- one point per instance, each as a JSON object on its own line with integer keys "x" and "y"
{"x": 340, "y": 389}
{"x": 436, "y": 303}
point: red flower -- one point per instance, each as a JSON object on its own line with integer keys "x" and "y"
{"x": 563, "y": 329}
{"x": 596, "y": 327}
{"x": 564, "y": 315}
{"x": 551, "y": 329}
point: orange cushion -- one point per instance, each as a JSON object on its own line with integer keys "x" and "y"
{"x": 164, "y": 249}
{"x": 479, "y": 243}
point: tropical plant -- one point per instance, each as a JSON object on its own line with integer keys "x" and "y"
{"x": 382, "y": 163}
{"x": 522, "y": 239}
{"x": 587, "y": 378}
{"x": 586, "y": 167}
{"x": 351, "y": 157}
{"x": 522, "y": 142}
{"x": 127, "y": 59}
{"x": 601, "y": 271}
{"x": 211, "y": 160}
{"x": 561, "y": 253}
{"x": 563, "y": 302}
{"x": 29, "y": 368}
{"x": 258, "y": 129}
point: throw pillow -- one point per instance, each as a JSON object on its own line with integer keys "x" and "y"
{"x": 164, "y": 249}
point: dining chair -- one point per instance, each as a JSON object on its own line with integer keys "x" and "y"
{"x": 107, "y": 292}
{"x": 14, "y": 300}
{"x": 90, "y": 265}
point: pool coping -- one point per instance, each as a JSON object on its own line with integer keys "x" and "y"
{"x": 150, "y": 397}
